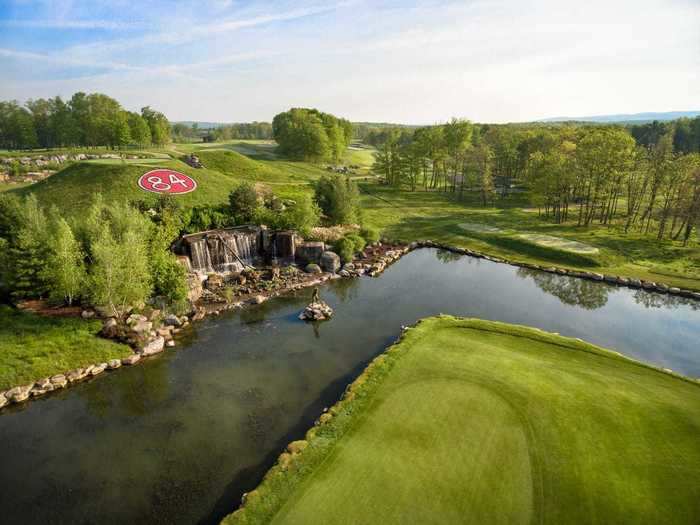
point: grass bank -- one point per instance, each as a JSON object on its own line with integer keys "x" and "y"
{"x": 33, "y": 347}
{"x": 438, "y": 216}
{"x": 468, "y": 421}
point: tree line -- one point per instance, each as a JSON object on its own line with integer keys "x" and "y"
{"x": 86, "y": 120}
{"x": 182, "y": 132}
{"x": 635, "y": 176}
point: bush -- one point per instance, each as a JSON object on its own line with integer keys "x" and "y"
{"x": 358, "y": 242}
{"x": 169, "y": 276}
{"x": 339, "y": 199}
{"x": 345, "y": 248}
{"x": 370, "y": 234}
{"x": 243, "y": 203}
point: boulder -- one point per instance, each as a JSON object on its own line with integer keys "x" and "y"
{"x": 155, "y": 346}
{"x": 214, "y": 282}
{"x": 194, "y": 288}
{"x": 19, "y": 393}
{"x": 87, "y": 314}
{"x": 131, "y": 360}
{"x": 330, "y": 262}
{"x": 312, "y": 268}
{"x": 142, "y": 327}
{"x": 59, "y": 381}
{"x": 98, "y": 369}
{"x": 113, "y": 364}
{"x": 75, "y": 375}
{"x": 135, "y": 318}
{"x": 172, "y": 320}
{"x": 110, "y": 328}
{"x": 258, "y": 299}
{"x": 310, "y": 252}
{"x": 170, "y": 343}
{"x": 3, "y": 400}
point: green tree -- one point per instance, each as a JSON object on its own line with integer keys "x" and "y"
{"x": 139, "y": 130}
{"x": 311, "y": 135}
{"x": 119, "y": 255}
{"x": 158, "y": 124}
{"x": 65, "y": 272}
{"x": 27, "y": 253}
{"x": 339, "y": 199}
{"x": 243, "y": 202}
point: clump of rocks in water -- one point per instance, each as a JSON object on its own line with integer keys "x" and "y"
{"x": 317, "y": 310}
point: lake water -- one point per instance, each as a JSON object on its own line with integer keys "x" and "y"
{"x": 179, "y": 438}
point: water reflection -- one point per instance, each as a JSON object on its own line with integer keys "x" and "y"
{"x": 655, "y": 300}
{"x": 570, "y": 290}
{"x": 178, "y": 438}
{"x": 447, "y": 256}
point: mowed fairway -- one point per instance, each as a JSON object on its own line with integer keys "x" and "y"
{"x": 469, "y": 421}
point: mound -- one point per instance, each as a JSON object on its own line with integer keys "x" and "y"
{"x": 73, "y": 188}
{"x": 469, "y": 421}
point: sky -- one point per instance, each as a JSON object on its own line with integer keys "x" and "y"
{"x": 419, "y": 62}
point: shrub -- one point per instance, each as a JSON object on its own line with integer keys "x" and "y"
{"x": 358, "y": 242}
{"x": 168, "y": 276}
{"x": 345, "y": 248}
{"x": 370, "y": 234}
{"x": 243, "y": 203}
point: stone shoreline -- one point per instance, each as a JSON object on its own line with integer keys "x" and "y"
{"x": 374, "y": 261}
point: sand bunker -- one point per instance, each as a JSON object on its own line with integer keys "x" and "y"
{"x": 479, "y": 228}
{"x": 559, "y": 243}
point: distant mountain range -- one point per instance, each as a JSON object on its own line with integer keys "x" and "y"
{"x": 631, "y": 117}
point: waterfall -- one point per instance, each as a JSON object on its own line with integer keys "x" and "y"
{"x": 223, "y": 250}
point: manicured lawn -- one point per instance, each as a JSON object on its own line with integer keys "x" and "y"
{"x": 33, "y": 347}
{"x": 469, "y": 421}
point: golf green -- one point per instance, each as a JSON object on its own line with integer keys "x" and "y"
{"x": 468, "y": 421}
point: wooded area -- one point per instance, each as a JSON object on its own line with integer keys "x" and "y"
{"x": 643, "y": 176}
{"x": 84, "y": 120}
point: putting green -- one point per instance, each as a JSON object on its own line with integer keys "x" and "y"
{"x": 469, "y": 421}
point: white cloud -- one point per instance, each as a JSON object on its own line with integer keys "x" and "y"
{"x": 494, "y": 60}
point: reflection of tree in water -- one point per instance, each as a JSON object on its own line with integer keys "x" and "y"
{"x": 446, "y": 256}
{"x": 656, "y": 300}
{"x": 569, "y": 290}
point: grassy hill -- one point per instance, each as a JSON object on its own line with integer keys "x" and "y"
{"x": 72, "y": 189}
{"x": 469, "y": 421}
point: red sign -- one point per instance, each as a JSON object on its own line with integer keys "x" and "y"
{"x": 167, "y": 181}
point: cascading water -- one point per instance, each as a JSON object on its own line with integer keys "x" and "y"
{"x": 223, "y": 250}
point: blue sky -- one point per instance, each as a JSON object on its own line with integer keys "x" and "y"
{"x": 414, "y": 62}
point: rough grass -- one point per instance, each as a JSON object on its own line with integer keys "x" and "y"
{"x": 400, "y": 215}
{"x": 469, "y": 421}
{"x": 32, "y": 347}
{"x": 438, "y": 216}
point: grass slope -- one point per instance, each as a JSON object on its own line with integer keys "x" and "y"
{"x": 32, "y": 347}
{"x": 468, "y": 421}
{"x": 73, "y": 188}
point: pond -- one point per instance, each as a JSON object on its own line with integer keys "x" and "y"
{"x": 179, "y": 438}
